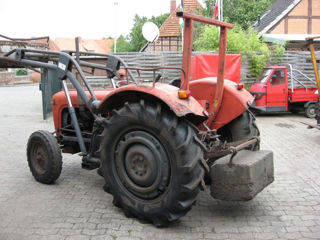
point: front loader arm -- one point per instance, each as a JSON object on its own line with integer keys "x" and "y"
{"x": 64, "y": 64}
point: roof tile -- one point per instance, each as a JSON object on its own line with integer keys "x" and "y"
{"x": 85, "y": 45}
{"x": 274, "y": 12}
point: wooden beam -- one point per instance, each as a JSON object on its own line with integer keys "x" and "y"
{"x": 286, "y": 25}
{"x": 309, "y": 16}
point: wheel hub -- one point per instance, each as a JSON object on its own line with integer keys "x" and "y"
{"x": 142, "y": 164}
{"x": 312, "y": 111}
{"x": 39, "y": 158}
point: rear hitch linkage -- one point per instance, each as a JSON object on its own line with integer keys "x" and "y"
{"x": 235, "y": 149}
{"x": 216, "y": 148}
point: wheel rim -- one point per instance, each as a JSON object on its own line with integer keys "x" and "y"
{"x": 39, "y": 158}
{"x": 141, "y": 164}
{"x": 312, "y": 111}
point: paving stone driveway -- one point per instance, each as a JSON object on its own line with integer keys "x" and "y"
{"x": 76, "y": 207}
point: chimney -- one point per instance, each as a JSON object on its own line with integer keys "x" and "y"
{"x": 259, "y": 20}
{"x": 173, "y": 7}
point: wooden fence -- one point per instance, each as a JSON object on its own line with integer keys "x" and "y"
{"x": 300, "y": 60}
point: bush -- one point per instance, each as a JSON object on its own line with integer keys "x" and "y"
{"x": 278, "y": 51}
{"x": 21, "y": 72}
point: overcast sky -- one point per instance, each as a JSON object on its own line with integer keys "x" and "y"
{"x": 92, "y": 19}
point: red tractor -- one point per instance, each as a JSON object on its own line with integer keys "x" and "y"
{"x": 155, "y": 144}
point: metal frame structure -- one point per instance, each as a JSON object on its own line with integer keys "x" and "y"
{"x": 294, "y": 79}
{"x": 187, "y": 51}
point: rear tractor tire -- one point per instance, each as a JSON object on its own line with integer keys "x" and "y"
{"x": 44, "y": 157}
{"x": 241, "y": 128}
{"x": 152, "y": 162}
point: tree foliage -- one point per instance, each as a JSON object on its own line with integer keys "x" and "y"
{"x": 123, "y": 45}
{"x": 135, "y": 40}
{"x": 207, "y": 11}
{"x": 246, "y": 43}
{"x": 159, "y": 20}
{"x": 241, "y": 12}
{"x": 107, "y": 38}
{"x": 21, "y": 72}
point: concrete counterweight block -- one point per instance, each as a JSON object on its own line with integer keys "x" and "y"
{"x": 249, "y": 174}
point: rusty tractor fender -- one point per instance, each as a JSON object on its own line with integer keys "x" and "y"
{"x": 189, "y": 108}
{"x": 234, "y": 102}
{"x": 59, "y": 102}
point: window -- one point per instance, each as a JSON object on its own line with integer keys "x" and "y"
{"x": 264, "y": 76}
{"x": 277, "y": 78}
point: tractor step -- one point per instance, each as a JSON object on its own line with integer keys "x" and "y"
{"x": 90, "y": 163}
{"x": 249, "y": 173}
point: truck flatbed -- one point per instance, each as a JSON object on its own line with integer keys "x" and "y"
{"x": 303, "y": 94}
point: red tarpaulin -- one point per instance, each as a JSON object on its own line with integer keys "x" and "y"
{"x": 207, "y": 66}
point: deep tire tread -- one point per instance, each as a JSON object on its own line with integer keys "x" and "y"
{"x": 190, "y": 164}
{"x": 173, "y": 126}
{"x": 186, "y": 204}
{"x": 186, "y": 141}
{"x": 193, "y": 184}
{"x": 243, "y": 127}
{"x": 127, "y": 105}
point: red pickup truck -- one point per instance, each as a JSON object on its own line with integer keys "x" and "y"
{"x": 273, "y": 94}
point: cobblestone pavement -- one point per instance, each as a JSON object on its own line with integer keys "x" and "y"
{"x": 76, "y": 207}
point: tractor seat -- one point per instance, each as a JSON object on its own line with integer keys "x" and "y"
{"x": 175, "y": 82}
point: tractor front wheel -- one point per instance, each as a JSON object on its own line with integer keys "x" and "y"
{"x": 151, "y": 162}
{"x": 44, "y": 157}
